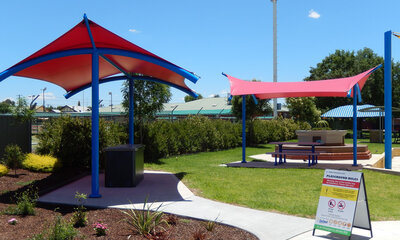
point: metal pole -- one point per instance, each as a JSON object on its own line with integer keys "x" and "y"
{"x": 95, "y": 115}
{"x": 131, "y": 113}
{"x": 275, "y": 55}
{"x": 44, "y": 108}
{"x": 110, "y": 93}
{"x": 388, "y": 99}
{"x": 95, "y": 125}
{"x": 354, "y": 126}
{"x": 243, "y": 129}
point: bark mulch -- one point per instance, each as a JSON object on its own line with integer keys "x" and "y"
{"x": 27, "y": 227}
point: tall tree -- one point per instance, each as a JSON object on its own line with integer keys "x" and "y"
{"x": 189, "y": 98}
{"x": 348, "y": 63}
{"x": 303, "y": 109}
{"x": 149, "y": 98}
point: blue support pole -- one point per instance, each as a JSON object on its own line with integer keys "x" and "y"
{"x": 355, "y": 125}
{"x": 388, "y": 99}
{"x": 95, "y": 126}
{"x": 131, "y": 113}
{"x": 95, "y": 115}
{"x": 243, "y": 129}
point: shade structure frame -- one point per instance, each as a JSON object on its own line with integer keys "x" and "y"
{"x": 124, "y": 77}
{"x": 353, "y": 90}
{"x": 39, "y": 66}
{"x": 102, "y": 51}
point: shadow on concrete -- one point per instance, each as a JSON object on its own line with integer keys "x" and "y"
{"x": 155, "y": 187}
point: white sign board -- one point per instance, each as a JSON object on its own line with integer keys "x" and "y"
{"x": 338, "y": 202}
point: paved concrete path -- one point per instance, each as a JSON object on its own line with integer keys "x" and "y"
{"x": 165, "y": 189}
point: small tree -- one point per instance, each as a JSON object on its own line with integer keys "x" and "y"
{"x": 22, "y": 111}
{"x": 303, "y": 109}
{"x": 252, "y": 109}
{"x": 6, "y": 107}
{"x": 13, "y": 157}
{"x": 189, "y": 98}
{"x": 149, "y": 98}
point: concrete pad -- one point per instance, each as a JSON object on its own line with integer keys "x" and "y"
{"x": 158, "y": 187}
{"x": 164, "y": 190}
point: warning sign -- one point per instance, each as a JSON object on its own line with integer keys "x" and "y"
{"x": 337, "y": 209}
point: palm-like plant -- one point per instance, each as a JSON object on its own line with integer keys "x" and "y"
{"x": 145, "y": 221}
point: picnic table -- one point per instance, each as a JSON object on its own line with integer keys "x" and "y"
{"x": 312, "y": 155}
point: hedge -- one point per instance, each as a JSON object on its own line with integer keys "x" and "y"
{"x": 68, "y": 139}
{"x": 190, "y": 135}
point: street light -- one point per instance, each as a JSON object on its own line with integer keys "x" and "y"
{"x": 44, "y": 108}
{"x": 275, "y": 68}
{"x": 110, "y": 93}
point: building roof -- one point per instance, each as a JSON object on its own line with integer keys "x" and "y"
{"x": 115, "y": 108}
{"x": 207, "y": 106}
{"x": 346, "y": 111}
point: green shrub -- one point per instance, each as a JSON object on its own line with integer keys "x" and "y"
{"x": 61, "y": 230}
{"x": 189, "y": 135}
{"x": 41, "y": 163}
{"x": 281, "y": 129}
{"x": 25, "y": 203}
{"x": 13, "y": 157}
{"x": 3, "y": 170}
{"x": 69, "y": 139}
{"x": 79, "y": 217}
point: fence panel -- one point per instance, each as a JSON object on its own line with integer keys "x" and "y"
{"x": 13, "y": 131}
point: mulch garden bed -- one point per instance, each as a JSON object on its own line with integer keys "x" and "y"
{"x": 27, "y": 227}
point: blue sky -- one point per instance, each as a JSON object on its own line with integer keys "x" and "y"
{"x": 206, "y": 37}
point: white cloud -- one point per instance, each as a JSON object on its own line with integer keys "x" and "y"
{"x": 134, "y": 30}
{"x": 223, "y": 92}
{"x": 313, "y": 14}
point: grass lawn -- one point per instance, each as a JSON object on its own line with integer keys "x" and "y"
{"x": 290, "y": 191}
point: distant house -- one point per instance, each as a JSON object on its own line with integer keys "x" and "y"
{"x": 39, "y": 109}
{"x": 67, "y": 109}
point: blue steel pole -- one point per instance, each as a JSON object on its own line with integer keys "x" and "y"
{"x": 131, "y": 113}
{"x": 388, "y": 99}
{"x": 95, "y": 125}
{"x": 354, "y": 126}
{"x": 243, "y": 129}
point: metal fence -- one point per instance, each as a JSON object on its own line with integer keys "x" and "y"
{"x": 13, "y": 131}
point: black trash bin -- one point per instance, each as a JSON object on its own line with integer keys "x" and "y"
{"x": 124, "y": 165}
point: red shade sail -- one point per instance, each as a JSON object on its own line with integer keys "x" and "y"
{"x": 71, "y": 69}
{"x": 323, "y": 88}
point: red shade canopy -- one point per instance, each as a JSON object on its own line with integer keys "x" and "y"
{"x": 72, "y": 69}
{"x": 323, "y": 88}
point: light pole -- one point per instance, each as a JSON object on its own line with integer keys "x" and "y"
{"x": 44, "y": 108}
{"x": 110, "y": 93}
{"x": 275, "y": 79}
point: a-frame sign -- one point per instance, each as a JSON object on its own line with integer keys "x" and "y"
{"x": 343, "y": 203}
